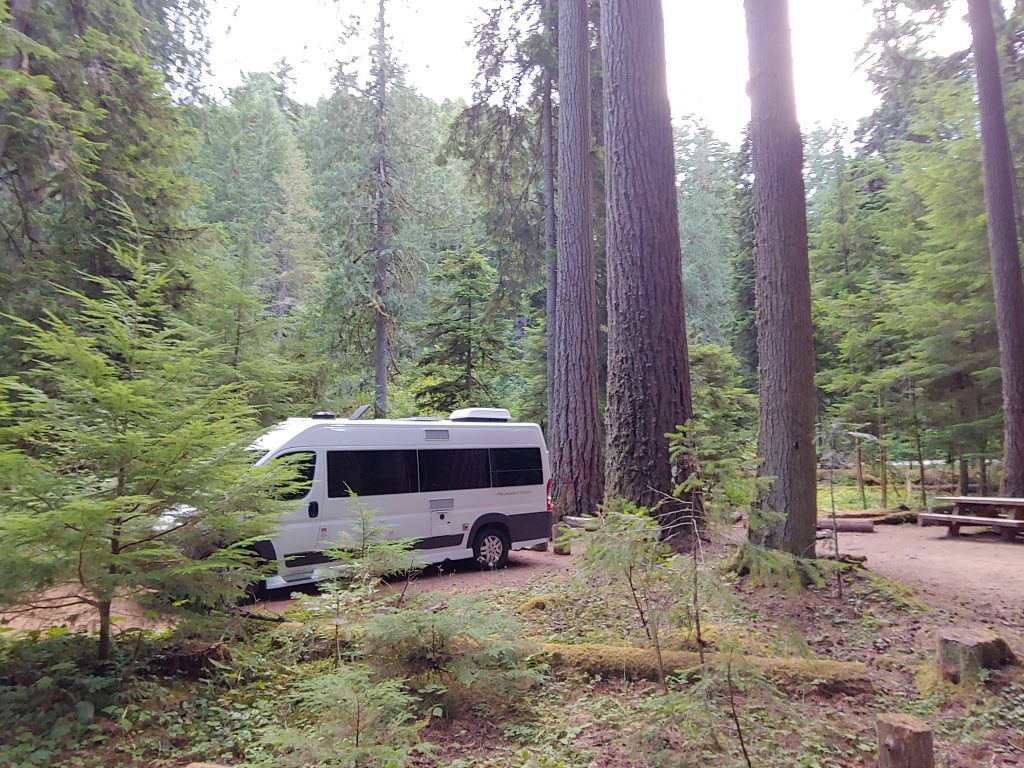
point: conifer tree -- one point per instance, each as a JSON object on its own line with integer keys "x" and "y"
{"x": 85, "y": 122}
{"x": 124, "y": 472}
{"x": 648, "y": 378}
{"x": 466, "y": 339}
{"x": 786, "y": 449}
{"x": 1003, "y": 243}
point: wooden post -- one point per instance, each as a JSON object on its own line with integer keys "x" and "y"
{"x": 904, "y": 742}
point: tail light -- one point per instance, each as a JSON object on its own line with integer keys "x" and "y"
{"x": 550, "y": 508}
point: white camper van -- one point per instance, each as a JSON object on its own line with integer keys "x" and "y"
{"x": 474, "y": 485}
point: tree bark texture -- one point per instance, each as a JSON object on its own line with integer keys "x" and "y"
{"x": 382, "y": 234}
{"x": 576, "y": 454}
{"x": 648, "y": 374}
{"x": 547, "y": 140}
{"x": 1002, "y": 242}
{"x": 786, "y": 505}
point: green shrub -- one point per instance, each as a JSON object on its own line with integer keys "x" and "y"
{"x": 452, "y": 655}
{"x": 344, "y": 718}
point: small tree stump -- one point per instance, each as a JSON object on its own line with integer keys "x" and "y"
{"x": 904, "y": 742}
{"x": 963, "y": 652}
{"x": 562, "y": 545}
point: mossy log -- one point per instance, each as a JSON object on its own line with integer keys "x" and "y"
{"x": 537, "y": 603}
{"x": 963, "y": 653}
{"x": 825, "y": 676}
{"x": 847, "y": 525}
{"x": 904, "y": 742}
{"x": 562, "y": 542}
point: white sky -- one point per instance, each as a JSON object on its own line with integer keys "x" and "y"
{"x": 706, "y": 51}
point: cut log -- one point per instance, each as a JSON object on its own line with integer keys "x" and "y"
{"x": 904, "y": 742}
{"x": 848, "y": 525}
{"x": 586, "y": 523}
{"x": 963, "y": 652}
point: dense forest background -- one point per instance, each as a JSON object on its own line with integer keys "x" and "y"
{"x": 305, "y": 239}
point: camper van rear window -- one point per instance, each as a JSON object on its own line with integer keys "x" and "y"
{"x": 370, "y": 473}
{"x": 516, "y": 466}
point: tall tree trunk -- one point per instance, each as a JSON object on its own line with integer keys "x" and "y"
{"x": 648, "y": 373}
{"x": 547, "y": 140}
{"x": 982, "y": 476}
{"x": 382, "y": 240}
{"x": 964, "y": 467}
{"x": 1002, "y": 241}
{"x": 860, "y": 473}
{"x": 920, "y": 451}
{"x": 103, "y": 649}
{"x": 883, "y": 454}
{"x": 17, "y": 22}
{"x": 787, "y": 507}
{"x": 576, "y": 457}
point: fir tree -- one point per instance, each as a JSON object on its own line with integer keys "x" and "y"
{"x": 466, "y": 339}
{"x": 124, "y": 472}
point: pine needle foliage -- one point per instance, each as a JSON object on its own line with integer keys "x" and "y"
{"x": 347, "y": 719}
{"x": 124, "y": 469}
{"x": 452, "y": 654}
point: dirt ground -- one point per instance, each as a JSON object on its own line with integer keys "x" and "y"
{"x": 524, "y": 567}
{"x": 976, "y": 577}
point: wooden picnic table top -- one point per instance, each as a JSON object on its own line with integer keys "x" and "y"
{"x": 993, "y": 501}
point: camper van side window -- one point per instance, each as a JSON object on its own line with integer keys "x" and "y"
{"x": 370, "y": 473}
{"x": 453, "y": 470}
{"x": 516, "y": 466}
{"x": 304, "y": 463}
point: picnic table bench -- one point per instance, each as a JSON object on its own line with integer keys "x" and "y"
{"x": 1004, "y": 514}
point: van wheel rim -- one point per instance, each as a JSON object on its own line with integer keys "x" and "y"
{"x": 491, "y": 549}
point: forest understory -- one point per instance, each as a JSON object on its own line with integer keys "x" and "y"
{"x": 468, "y": 669}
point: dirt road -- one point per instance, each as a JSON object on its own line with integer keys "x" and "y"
{"x": 977, "y": 577}
{"x": 465, "y": 577}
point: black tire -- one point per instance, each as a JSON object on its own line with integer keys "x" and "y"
{"x": 491, "y": 547}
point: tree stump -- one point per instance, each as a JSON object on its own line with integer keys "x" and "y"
{"x": 904, "y": 742}
{"x": 562, "y": 545}
{"x": 963, "y": 652}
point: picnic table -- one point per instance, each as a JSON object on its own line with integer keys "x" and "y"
{"x": 1004, "y": 514}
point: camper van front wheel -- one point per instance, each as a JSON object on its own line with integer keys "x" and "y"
{"x": 490, "y": 548}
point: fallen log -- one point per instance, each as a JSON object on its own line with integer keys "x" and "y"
{"x": 847, "y": 525}
{"x": 823, "y": 675}
{"x": 904, "y": 742}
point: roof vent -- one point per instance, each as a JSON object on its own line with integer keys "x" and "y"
{"x": 323, "y": 415}
{"x": 481, "y": 414}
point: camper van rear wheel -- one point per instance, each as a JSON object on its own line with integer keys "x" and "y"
{"x": 490, "y": 547}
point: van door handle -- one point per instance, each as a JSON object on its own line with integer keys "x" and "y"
{"x": 314, "y": 508}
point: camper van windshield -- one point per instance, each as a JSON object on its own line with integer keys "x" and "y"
{"x": 304, "y": 463}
